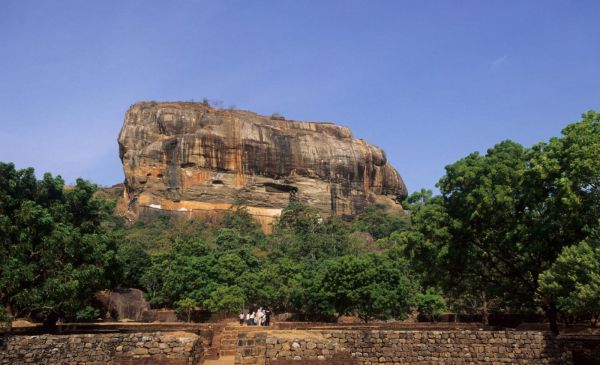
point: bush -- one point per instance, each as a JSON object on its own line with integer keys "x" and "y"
{"x": 87, "y": 314}
{"x": 431, "y": 304}
{"x": 227, "y": 299}
{"x": 186, "y": 307}
{"x": 573, "y": 281}
{"x": 5, "y": 318}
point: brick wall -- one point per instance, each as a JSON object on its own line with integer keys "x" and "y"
{"x": 169, "y": 348}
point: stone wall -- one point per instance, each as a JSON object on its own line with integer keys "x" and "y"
{"x": 309, "y": 347}
{"x": 168, "y": 348}
{"x": 409, "y": 347}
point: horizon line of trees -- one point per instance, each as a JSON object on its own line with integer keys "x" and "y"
{"x": 514, "y": 230}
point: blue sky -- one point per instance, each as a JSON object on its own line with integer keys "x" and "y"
{"x": 428, "y": 81}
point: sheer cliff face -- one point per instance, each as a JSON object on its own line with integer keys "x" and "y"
{"x": 195, "y": 160}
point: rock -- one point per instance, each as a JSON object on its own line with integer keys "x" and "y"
{"x": 194, "y": 160}
{"x": 124, "y": 304}
{"x": 140, "y": 351}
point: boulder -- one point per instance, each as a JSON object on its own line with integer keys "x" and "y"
{"x": 194, "y": 160}
{"x": 124, "y": 304}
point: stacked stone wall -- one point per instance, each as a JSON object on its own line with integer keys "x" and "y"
{"x": 414, "y": 347}
{"x": 177, "y": 348}
{"x": 251, "y": 348}
{"x": 310, "y": 347}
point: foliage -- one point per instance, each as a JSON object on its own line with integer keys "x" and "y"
{"x": 87, "y": 314}
{"x": 5, "y": 317}
{"x": 508, "y": 224}
{"x": 183, "y": 271}
{"x": 431, "y": 304}
{"x": 425, "y": 242}
{"x": 370, "y": 286}
{"x": 503, "y": 218}
{"x": 379, "y": 223}
{"x": 227, "y": 299}
{"x": 303, "y": 234}
{"x": 276, "y": 283}
{"x": 54, "y": 252}
{"x": 573, "y": 281}
{"x": 185, "y": 307}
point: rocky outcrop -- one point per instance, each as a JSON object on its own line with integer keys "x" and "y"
{"x": 192, "y": 159}
{"x": 123, "y": 304}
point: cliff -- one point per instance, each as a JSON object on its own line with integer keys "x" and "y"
{"x": 189, "y": 158}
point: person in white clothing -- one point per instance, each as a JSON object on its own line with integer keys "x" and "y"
{"x": 259, "y": 317}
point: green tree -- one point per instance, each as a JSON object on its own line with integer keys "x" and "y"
{"x": 186, "y": 270}
{"x": 483, "y": 195}
{"x": 573, "y": 281}
{"x": 303, "y": 234}
{"x": 511, "y": 211}
{"x": 133, "y": 260}
{"x": 54, "y": 252}
{"x": 431, "y": 304}
{"x": 563, "y": 194}
{"x": 185, "y": 307}
{"x": 5, "y": 318}
{"x": 379, "y": 222}
{"x": 87, "y": 314}
{"x": 275, "y": 284}
{"x": 426, "y": 239}
{"x": 370, "y": 286}
{"x": 226, "y": 299}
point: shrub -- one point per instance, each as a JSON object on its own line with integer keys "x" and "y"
{"x": 431, "y": 304}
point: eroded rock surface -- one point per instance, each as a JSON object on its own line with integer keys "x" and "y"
{"x": 197, "y": 160}
{"x": 123, "y": 304}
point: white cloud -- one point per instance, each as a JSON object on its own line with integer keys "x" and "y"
{"x": 498, "y": 62}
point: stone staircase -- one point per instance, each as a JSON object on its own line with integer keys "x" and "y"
{"x": 224, "y": 343}
{"x": 229, "y": 339}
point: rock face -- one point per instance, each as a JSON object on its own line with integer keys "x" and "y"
{"x": 192, "y": 159}
{"x": 124, "y": 303}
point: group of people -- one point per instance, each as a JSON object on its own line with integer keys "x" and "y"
{"x": 260, "y": 317}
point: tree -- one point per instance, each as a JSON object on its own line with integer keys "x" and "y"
{"x": 303, "y": 234}
{"x": 573, "y": 281}
{"x": 370, "y": 286}
{"x": 483, "y": 198}
{"x": 54, "y": 253}
{"x": 563, "y": 194}
{"x": 133, "y": 260}
{"x": 239, "y": 230}
{"x": 226, "y": 299}
{"x": 426, "y": 239}
{"x": 185, "y": 307}
{"x": 511, "y": 211}
{"x": 431, "y": 304}
{"x": 275, "y": 284}
{"x": 185, "y": 270}
{"x": 5, "y": 319}
{"x": 378, "y": 222}
{"x": 87, "y": 314}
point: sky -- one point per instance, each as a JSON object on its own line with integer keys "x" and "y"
{"x": 427, "y": 81}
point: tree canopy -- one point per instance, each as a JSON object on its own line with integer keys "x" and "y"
{"x": 54, "y": 252}
{"x": 512, "y": 230}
